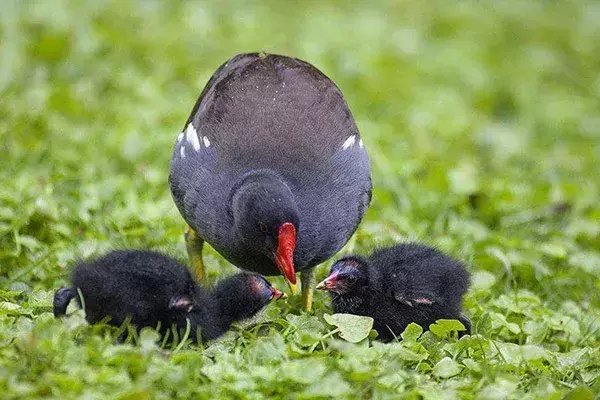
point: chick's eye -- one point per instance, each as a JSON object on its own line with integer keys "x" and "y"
{"x": 262, "y": 227}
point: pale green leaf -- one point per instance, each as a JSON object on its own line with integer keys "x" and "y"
{"x": 353, "y": 328}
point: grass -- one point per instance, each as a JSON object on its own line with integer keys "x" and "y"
{"x": 481, "y": 119}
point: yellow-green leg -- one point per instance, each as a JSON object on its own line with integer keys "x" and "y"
{"x": 194, "y": 245}
{"x": 308, "y": 291}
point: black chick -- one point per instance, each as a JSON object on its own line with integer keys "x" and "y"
{"x": 152, "y": 288}
{"x": 398, "y": 285}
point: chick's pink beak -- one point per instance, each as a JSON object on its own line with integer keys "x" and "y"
{"x": 278, "y": 294}
{"x": 328, "y": 283}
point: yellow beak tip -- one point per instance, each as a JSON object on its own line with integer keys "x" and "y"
{"x": 322, "y": 285}
{"x": 293, "y": 288}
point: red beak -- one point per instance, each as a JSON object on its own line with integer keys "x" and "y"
{"x": 284, "y": 255}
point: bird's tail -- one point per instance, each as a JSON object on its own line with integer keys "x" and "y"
{"x": 62, "y": 298}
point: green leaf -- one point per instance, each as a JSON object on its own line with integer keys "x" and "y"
{"x": 13, "y": 309}
{"x": 142, "y": 394}
{"x": 482, "y": 280}
{"x": 499, "y": 320}
{"x": 536, "y": 331}
{"x": 464, "y": 178}
{"x": 13, "y": 294}
{"x": 580, "y": 393}
{"x": 333, "y": 385}
{"x": 515, "y": 354}
{"x": 7, "y": 306}
{"x": 309, "y": 329}
{"x": 472, "y": 365}
{"x": 412, "y": 353}
{"x": 561, "y": 322}
{"x": 443, "y": 327}
{"x": 499, "y": 390}
{"x": 305, "y": 321}
{"x": 267, "y": 349}
{"x": 303, "y": 371}
{"x": 446, "y": 368}
{"x": 572, "y": 359}
{"x": 30, "y": 242}
{"x": 148, "y": 339}
{"x": 412, "y": 332}
{"x": 588, "y": 261}
{"x": 353, "y": 328}
{"x": 556, "y": 250}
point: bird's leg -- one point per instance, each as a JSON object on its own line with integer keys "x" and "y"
{"x": 307, "y": 279}
{"x": 194, "y": 245}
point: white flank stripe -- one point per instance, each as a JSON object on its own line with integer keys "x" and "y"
{"x": 206, "y": 141}
{"x": 349, "y": 142}
{"x": 180, "y": 137}
{"x": 192, "y": 137}
{"x": 182, "y": 151}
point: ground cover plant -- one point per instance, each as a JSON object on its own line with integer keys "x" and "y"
{"x": 482, "y": 121}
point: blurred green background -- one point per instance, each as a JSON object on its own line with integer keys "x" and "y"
{"x": 482, "y": 120}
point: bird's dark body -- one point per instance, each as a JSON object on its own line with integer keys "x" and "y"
{"x": 139, "y": 285}
{"x": 406, "y": 283}
{"x": 282, "y": 117}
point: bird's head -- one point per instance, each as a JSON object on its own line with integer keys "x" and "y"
{"x": 261, "y": 292}
{"x": 243, "y": 295}
{"x": 346, "y": 275}
{"x": 266, "y": 219}
{"x": 239, "y": 296}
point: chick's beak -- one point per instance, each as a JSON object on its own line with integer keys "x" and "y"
{"x": 278, "y": 294}
{"x": 284, "y": 255}
{"x": 327, "y": 283}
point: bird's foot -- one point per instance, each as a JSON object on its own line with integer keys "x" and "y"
{"x": 194, "y": 245}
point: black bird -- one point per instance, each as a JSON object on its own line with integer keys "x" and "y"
{"x": 398, "y": 285}
{"x": 270, "y": 169}
{"x": 150, "y": 287}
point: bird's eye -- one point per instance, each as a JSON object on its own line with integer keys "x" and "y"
{"x": 351, "y": 279}
{"x": 262, "y": 227}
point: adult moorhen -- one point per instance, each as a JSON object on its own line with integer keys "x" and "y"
{"x": 270, "y": 169}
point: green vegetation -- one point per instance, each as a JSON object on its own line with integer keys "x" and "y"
{"x": 482, "y": 120}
